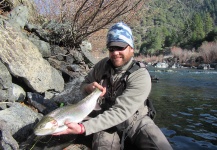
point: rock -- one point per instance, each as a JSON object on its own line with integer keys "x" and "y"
{"x": 30, "y": 4}
{"x": 5, "y": 77}
{"x": 70, "y": 59}
{"x": 14, "y": 127}
{"x": 44, "y": 106}
{"x": 85, "y": 48}
{"x": 43, "y": 47}
{"x": 18, "y": 93}
{"x": 77, "y": 56}
{"x": 19, "y": 16}
{"x": 71, "y": 94}
{"x": 56, "y": 50}
{"x": 24, "y": 60}
{"x": 5, "y": 84}
{"x": 7, "y": 141}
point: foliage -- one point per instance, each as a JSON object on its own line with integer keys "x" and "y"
{"x": 185, "y": 24}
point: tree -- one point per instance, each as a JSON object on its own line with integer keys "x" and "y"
{"x": 208, "y": 24}
{"x": 89, "y": 16}
{"x": 197, "y": 27}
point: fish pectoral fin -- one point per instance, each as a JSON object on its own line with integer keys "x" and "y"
{"x": 97, "y": 107}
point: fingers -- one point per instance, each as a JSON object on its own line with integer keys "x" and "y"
{"x": 100, "y": 87}
{"x": 103, "y": 91}
{"x": 73, "y": 128}
{"x": 89, "y": 88}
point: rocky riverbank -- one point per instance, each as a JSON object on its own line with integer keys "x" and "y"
{"x": 39, "y": 72}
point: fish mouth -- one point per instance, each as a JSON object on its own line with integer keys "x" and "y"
{"x": 46, "y": 126}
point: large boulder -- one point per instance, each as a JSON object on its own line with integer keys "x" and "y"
{"x": 24, "y": 60}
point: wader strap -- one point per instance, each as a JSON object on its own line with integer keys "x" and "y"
{"x": 124, "y": 135}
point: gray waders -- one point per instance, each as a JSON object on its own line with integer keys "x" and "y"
{"x": 140, "y": 129}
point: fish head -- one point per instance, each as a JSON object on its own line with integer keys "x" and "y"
{"x": 47, "y": 125}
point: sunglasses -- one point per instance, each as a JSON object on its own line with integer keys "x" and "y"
{"x": 116, "y": 48}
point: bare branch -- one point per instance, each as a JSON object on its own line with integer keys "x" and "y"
{"x": 89, "y": 16}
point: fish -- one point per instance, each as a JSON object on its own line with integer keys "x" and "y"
{"x": 54, "y": 121}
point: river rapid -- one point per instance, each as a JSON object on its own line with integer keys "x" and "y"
{"x": 186, "y": 105}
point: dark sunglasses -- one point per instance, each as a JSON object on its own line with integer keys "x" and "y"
{"x": 116, "y": 48}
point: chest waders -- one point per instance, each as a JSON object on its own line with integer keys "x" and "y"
{"x": 117, "y": 89}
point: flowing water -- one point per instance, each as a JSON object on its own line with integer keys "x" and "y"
{"x": 186, "y": 104}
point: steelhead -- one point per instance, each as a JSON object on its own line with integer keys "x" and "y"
{"x": 54, "y": 121}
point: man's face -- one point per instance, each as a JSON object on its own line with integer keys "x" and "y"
{"x": 120, "y": 57}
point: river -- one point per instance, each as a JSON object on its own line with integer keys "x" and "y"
{"x": 186, "y": 104}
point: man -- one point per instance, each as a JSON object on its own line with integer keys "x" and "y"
{"x": 124, "y": 111}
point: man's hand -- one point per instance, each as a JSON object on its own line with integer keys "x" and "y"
{"x": 73, "y": 128}
{"x": 91, "y": 87}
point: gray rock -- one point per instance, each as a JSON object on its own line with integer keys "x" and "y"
{"x": 86, "y": 45}
{"x": 70, "y": 59}
{"x": 71, "y": 93}
{"x": 77, "y": 56}
{"x": 86, "y": 48}
{"x": 19, "y": 16}
{"x": 5, "y": 77}
{"x": 6, "y": 90}
{"x": 43, "y": 105}
{"x": 18, "y": 93}
{"x": 58, "y": 33}
{"x": 14, "y": 127}
{"x": 43, "y": 47}
{"x": 24, "y": 60}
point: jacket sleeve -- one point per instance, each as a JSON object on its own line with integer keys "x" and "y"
{"x": 138, "y": 87}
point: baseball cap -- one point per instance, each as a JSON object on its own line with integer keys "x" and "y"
{"x": 120, "y": 35}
